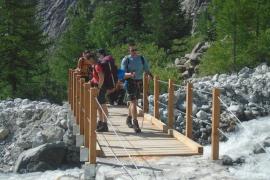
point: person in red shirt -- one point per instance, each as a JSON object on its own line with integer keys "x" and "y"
{"x": 98, "y": 81}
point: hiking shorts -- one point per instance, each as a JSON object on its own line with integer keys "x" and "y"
{"x": 134, "y": 89}
{"x": 102, "y": 95}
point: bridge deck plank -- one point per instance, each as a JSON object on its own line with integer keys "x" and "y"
{"x": 151, "y": 142}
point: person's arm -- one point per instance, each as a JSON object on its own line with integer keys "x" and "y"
{"x": 79, "y": 65}
{"x": 146, "y": 68}
{"x": 101, "y": 79}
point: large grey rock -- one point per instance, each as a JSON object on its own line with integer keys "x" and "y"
{"x": 39, "y": 139}
{"x": 3, "y": 133}
{"x": 45, "y": 157}
{"x": 53, "y": 133}
{"x": 258, "y": 149}
{"x": 227, "y": 160}
{"x": 202, "y": 115}
{"x": 266, "y": 142}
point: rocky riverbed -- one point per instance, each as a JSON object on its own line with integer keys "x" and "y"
{"x": 246, "y": 94}
{"x": 35, "y": 136}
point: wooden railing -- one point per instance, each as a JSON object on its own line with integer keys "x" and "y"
{"x": 83, "y": 103}
{"x": 188, "y": 113}
{"x": 82, "y": 99}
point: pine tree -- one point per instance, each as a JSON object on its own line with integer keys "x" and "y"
{"x": 165, "y": 21}
{"x": 22, "y": 48}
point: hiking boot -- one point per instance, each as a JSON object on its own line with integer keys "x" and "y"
{"x": 129, "y": 122}
{"x": 99, "y": 123}
{"x": 103, "y": 127}
{"x": 136, "y": 126}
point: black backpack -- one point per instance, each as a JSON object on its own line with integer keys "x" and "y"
{"x": 110, "y": 72}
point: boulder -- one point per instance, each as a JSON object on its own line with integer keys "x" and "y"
{"x": 227, "y": 160}
{"x": 3, "y": 133}
{"x": 202, "y": 115}
{"x": 39, "y": 139}
{"x": 258, "y": 149}
{"x": 45, "y": 157}
{"x": 53, "y": 133}
{"x": 266, "y": 142}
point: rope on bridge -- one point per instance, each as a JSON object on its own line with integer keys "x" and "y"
{"x": 118, "y": 137}
{"x": 177, "y": 85}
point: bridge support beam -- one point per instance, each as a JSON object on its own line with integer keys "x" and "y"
{"x": 145, "y": 93}
{"x": 156, "y": 97}
{"x": 93, "y": 124}
{"x": 170, "y": 104}
{"x": 215, "y": 124}
{"x": 189, "y": 111}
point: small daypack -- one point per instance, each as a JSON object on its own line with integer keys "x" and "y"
{"x": 110, "y": 72}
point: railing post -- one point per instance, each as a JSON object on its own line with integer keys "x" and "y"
{"x": 170, "y": 104}
{"x": 68, "y": 86}
{"x": 145, "y": 93}
{"x": 71, "y": 92}
{"x": 75, "y": 94}
{"x": 78, "y": 99}
{"x": 82, "y": 81}
{"x": 215, "y": 124}
{"x": 93, "y": 124}
{"x": 156, "y": 97}
{"x": 189, "y": 110}
{"x": 86, "y": 114}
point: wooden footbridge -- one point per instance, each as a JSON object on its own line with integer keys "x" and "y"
{"x": 156, "y": 139}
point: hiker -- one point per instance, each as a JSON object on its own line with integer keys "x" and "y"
{"x": 114, "y": 90}
{"x": 98, "y": 81}
{"x": 134, "y": 66}
{"x": 84, "y": 67}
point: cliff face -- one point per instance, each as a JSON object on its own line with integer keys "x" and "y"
{"x": 192, "y": 8}
{"x": 53, "y": 14}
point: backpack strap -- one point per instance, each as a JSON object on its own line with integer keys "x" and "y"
{"x": 127, "y": 63}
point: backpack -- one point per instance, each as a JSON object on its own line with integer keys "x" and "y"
{"x": 110, "y": 72}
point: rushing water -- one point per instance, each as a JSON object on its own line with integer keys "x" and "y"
{"x": 240, "y": 144}
{"x": 48, "y": 175}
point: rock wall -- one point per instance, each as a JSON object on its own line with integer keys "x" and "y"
{"x": 193, "y": 9}
{"x": 53, "y": 14}
{"x": 26, "y": 124}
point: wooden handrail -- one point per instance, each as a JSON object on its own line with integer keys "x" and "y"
{"x": 189, "y": 110}
{"x": 215, "y": 124}
{"x": 145, "y": 93}
{"x": 170, "y": 104}
{"x": 93, "y": 124}
{"x": 156, "y": 97}
{"x": 86, "y": 114}
{"x": 81, "y": 120}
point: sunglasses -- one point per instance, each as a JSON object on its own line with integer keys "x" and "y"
{"x": 133, "y": 50}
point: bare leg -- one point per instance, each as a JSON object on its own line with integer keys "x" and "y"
{"x": 129, "y": 108}
{"x": 105, "y": 109}
{"x": 133, "y": 109}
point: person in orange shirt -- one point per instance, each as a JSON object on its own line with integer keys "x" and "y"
{"x": 84, "y": 67}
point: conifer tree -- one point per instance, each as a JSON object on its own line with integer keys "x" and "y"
{"x": 22, "y": 49}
